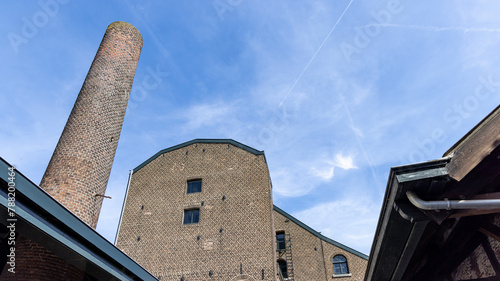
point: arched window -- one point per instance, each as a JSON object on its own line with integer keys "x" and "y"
{"x": 283, "y": 269}
{"x": 340, "y": 265}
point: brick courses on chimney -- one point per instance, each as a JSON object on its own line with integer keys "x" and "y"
{"x": 81, "y": 163}
{"x": 80, "y": 166}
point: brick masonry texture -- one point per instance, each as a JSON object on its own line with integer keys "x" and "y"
{"x": 232, "y": 232}
{"x": 82, "y": 160}
{"x": 477, "y": 264}
{"x": 33, "y": 262}
{"x": 240, "y": 230}
{"x": 312, "y": 256}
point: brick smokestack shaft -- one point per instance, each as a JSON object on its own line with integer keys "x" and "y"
{"x": 80, "y": 166}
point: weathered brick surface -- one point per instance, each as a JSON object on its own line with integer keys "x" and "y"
{"x": 82, "y": 160}
{"x": 33, "y": 262}
{"x": 232, "y": 232}
{"x": 312, "y": 256}
{"x": 357, "y": 265}
{"x": 477, "y": 264}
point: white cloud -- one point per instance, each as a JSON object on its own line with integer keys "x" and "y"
{"x": 200, "y": 115}
{"x": 344, "y": 162}
{"x": 350, "y": 221}
{"x": 292, "y": 182}
{"x": 325, "y": 174}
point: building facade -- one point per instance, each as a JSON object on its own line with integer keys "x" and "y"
{"x": 203, "y": 210}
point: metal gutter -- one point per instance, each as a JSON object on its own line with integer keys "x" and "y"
{"x": 452, "y": 204}
{"x": 392, "y": 224}
{"x": 123, "y": 206}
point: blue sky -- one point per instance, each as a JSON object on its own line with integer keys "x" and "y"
{"x": 334, "y": 92}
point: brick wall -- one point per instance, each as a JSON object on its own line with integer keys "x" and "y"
{"x": 82, "y": 160}
{"x": 357, "y": 265}
{"x": 312, "y": 256}
{"x": 478, "y": 264}
{"x": 232, "y": 234}
{"x": 33, "y": 262}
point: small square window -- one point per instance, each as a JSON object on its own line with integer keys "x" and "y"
{"x": 191, "y": 216}
{"x": 193, "y": 186}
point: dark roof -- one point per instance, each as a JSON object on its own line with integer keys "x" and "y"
{"x": 415, "y": 244}
{"x": 228, "y": 141}
{"x": 47, "y": 222}
{"x": 401, "y": 225}
{"x": 319, "y": 235}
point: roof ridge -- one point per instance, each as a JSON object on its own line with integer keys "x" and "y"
{"x": 184, "y": 144}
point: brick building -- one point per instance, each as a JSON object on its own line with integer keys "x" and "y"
{"x": 203, "y": 210}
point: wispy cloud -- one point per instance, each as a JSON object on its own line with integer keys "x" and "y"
{"x": 325, "y": 173}
{"x": 200, "y": 115}
{"x": 358, "y": 215}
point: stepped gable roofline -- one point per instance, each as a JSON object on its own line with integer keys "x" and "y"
{"x": 319, "y": 235}
{"x": 228, "y": 141}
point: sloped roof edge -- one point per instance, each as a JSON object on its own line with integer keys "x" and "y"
{"x": 228, "y": 141}
{"x": 319, "y": 235}
{"x": 65, "y": 230}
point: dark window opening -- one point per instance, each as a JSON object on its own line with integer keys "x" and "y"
{"x": 340, "y": 265}
{"x": 191, "y": 216}
{"x": 283, "y": 268}
{"x": 194, "y": 186}
{"x": 280, "y": 240}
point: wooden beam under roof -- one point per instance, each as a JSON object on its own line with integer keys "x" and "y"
{"x": 472, "y": 148}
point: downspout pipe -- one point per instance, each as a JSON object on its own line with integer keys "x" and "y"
{"x": 446, "y": 204}
{"x": 123, "y": 205}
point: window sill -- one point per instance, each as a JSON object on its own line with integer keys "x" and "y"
{"x": 342, "y": 275}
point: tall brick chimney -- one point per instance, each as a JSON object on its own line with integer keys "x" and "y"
{"x": 80, "y": 166}
{"x": 79, "y": 169}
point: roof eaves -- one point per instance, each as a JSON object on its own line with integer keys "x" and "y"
{"x": 397, "y": 176}
{"x": 319, "y": 235}
{"x": 67, "y": 228}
